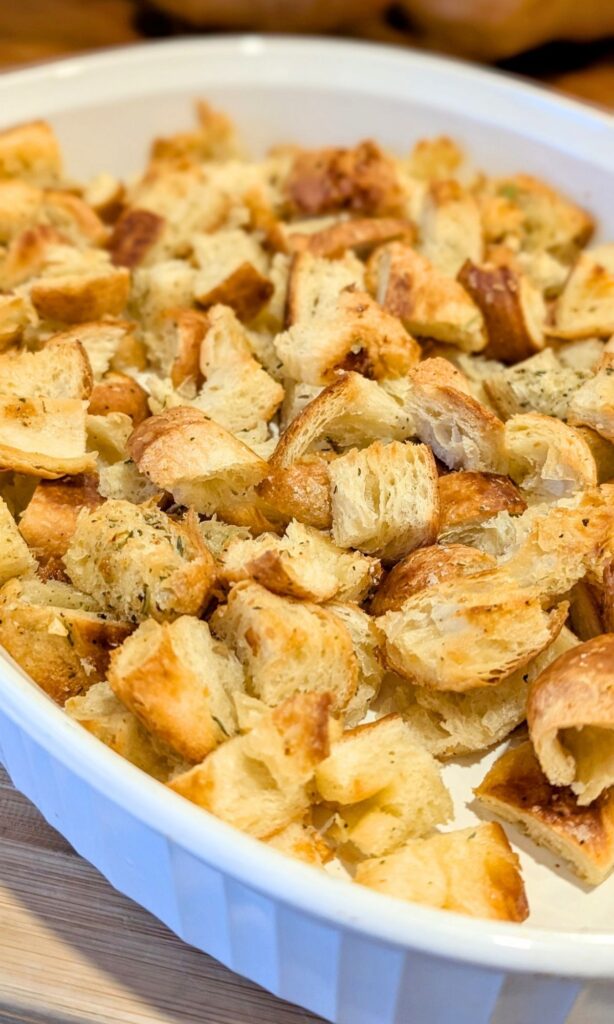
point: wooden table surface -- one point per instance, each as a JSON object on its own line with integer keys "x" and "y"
{"x": 71, "y": 948}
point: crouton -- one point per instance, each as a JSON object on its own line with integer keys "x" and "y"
{"x": 429, "y": 303}
{"x": 359, "y": 234}
{"x": 15, "y": 558}
{"x": 385, "y": 788}
{"x": 258, "y": 782}
{"x": 584, "y": 354}
{"x": 122, "y": 480}
{"x": 21, "y": 207}
{"x": 57, "y": 636}
{"x": 586, "y": 307}
{"x": 29, "y": 253}
{"x": 173, "y": 345}
{"x": 301, "y": 841}
{"x": 299, "y": 491}
{"x": 31, "y": 152}
{"x": 304, "y": 563}
{"x": 424, "y": 568}
{"x": 287, "y": 646}
{"x": 517, "y": 790}
{"x": 134, "y": 236}
{"x": 602, "y": 452}
{"x": 105, "y": 342}
{"x": 352, "y": 411}
{"x": 108, "y": 436}
{"x": 538, "y": 384}
{"x": 118, "y": 393}
{"x": 471, "y": 871}
{"x": 363, "y": 180}
{"x": 100, "y": 712}
{"x": 138, "y": 562}
{"x": 14, "y": 318}
{"x": 454, "y": 724}
{"x": 435, "y": 158}
{"x": 571, "y": 719}
{"x": 468, "y": 632}
{"x": 200, "y": 463}
{"x": 513, "y": 310}
{"x": 450, "y": 227}
{"x": 385, "y": 499}
{"x": 76, "y": 298}
{"x": 179, "y": 682}
{"x": 50, "y": 518}
{"x": 215, "y": 138}
{"x": 548, "y": 459}
{"x": 73, "y": 218}
{"x": 315, "y": 284}
{"x": 592, "y": 405}
{"x": 467, "y": 499}
{"x": 232, "y": 271}
{"x": 105, "y": 194}
{"x": 59, "y": 370}
{"x": 43, "y": 436}
{"x": 165, "y": 286}
{"x": 367, "y": 642}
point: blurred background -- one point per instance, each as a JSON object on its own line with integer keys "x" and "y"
{"x": 568, "y": 44}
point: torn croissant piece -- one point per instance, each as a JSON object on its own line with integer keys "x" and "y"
{"x": 363, "y": 180}
{"x": 424, "y": 568}
{"x": 360, "y": 235}
{"x": 471, "y": 871}
{"x": 385, "y": 499}
{"x": 134, "y": 236}
{"x": 232, "y": 271}
{"x": 517, "y": 790}
{"x": 571, "y": 719}
{"x": 468, "y": 632}
{"x": 450, "y": 227}
{"x": 300, "y": 491}
{"x": 259, "y": 782}
{"x": 367, "y": 642}
{"x": 585, "y": 309}
{"x": 384, "y": 787}
{"x": 50, "y": 518}
{"x": 117, "y": 392}
{"x": 15, "y": 556}
{"x": 542, "y": 383}
{"x": 592, "y": 405}
{"x": 137, "y": 562}
{"x": 428, "y": 302}
{"x": 199, "y": 462}
{"x": 178, "y": 680}
{"x": 57, "y": 635}
{"x": 547, "y": 458}
{"x": 467, "y": 499}
{"x": 287, "y": 646}
{"x": 100, "y": 712}
{"x": 513, "y": 309}
{"x": 60, "y": 370}
{"x": 44, "y": 437}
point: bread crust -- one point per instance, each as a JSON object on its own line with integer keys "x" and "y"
{"x": 422, "y": 569}
{"x": 513, "y": 311}
{"x": 362, "y": 179}
{"x": 468, "y": 498}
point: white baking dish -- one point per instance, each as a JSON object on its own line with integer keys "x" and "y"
{"x": 342, "y": 951}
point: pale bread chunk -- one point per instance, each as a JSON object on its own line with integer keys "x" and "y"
{"x": 586, "y": 307}
{"x": 450, "y": 227}
{"x": 15, "y": 556}
{"x": 44, "y": 437}
{"x": 592, "y": 405}
{"x": 547, "y": 458}
{"x": 539, "y": 384}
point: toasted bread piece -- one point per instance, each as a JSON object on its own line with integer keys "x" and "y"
{"x": 15, "y": 558}
{"x": 454, "y": 724}
{"x": 367, "y": 641}
{"x": 450, "y": 227}
{"x": 14, "y": 318}
{"x": 105, "y": 194}
{"x": 301, "y": 841}
{"x": 196, "y": 459}
{"x": 232, "y": 271}
{"x": 122, "y": 480}
{"x": 50, "y": 518}
{"x": 21, "y": 207}
{"x": 571, "y": 719}
{"x": 363, "y": 180}
{"x": 215, "y": 138}
{"x": 428, "y": 302}
{"x": 58, "y": 636}
{"x": 299, "y": 491}
{"x": 468, "y": 632}
{"x": 75, "y": 298}
{"x": 385, "y": 787}
{"x": 179, "y": 682}
{"x": 304, "y": 563}
{"x": 385, "y": 499}
{"x": 33, "y": 250}
{"x": 517, "y": 790}
{"x": 287, "y": 646}
{"x": 315, "y": 284}
{"x": 359, "y": 234}
{"x": 513, "y": 309}
{"x": 467, "y": 499}
{"x": 164, "y": 286}
{"x": 134, "y": 237}
{"x": 538, "y": 384}
{"x": 462, "y": 432}
{"x": 352, "y": 411}
{"x": 105, "y": 342}
{"x": 100, "y": 712}
{"x": 108, "y": 437}
{"x": 592, "y": 405}
{"x": 117, "y": 392}
{"x": 548, "y": 459}
{"x": 30, "y": 151}
{"x": 173, "y": 345}
{"x": 424, "y": 568}
{"x": 586, "y": 307}
{"x": 138, "y": 562}
{"x": 59, "y": 370}
{"x": 471, "y": 871}
{"x": 602, "y": 451}
{"x": 44, "y": 437}
{"x": 258, "y": 782}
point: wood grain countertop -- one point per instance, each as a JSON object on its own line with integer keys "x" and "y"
{"x": 72, "y": 950}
